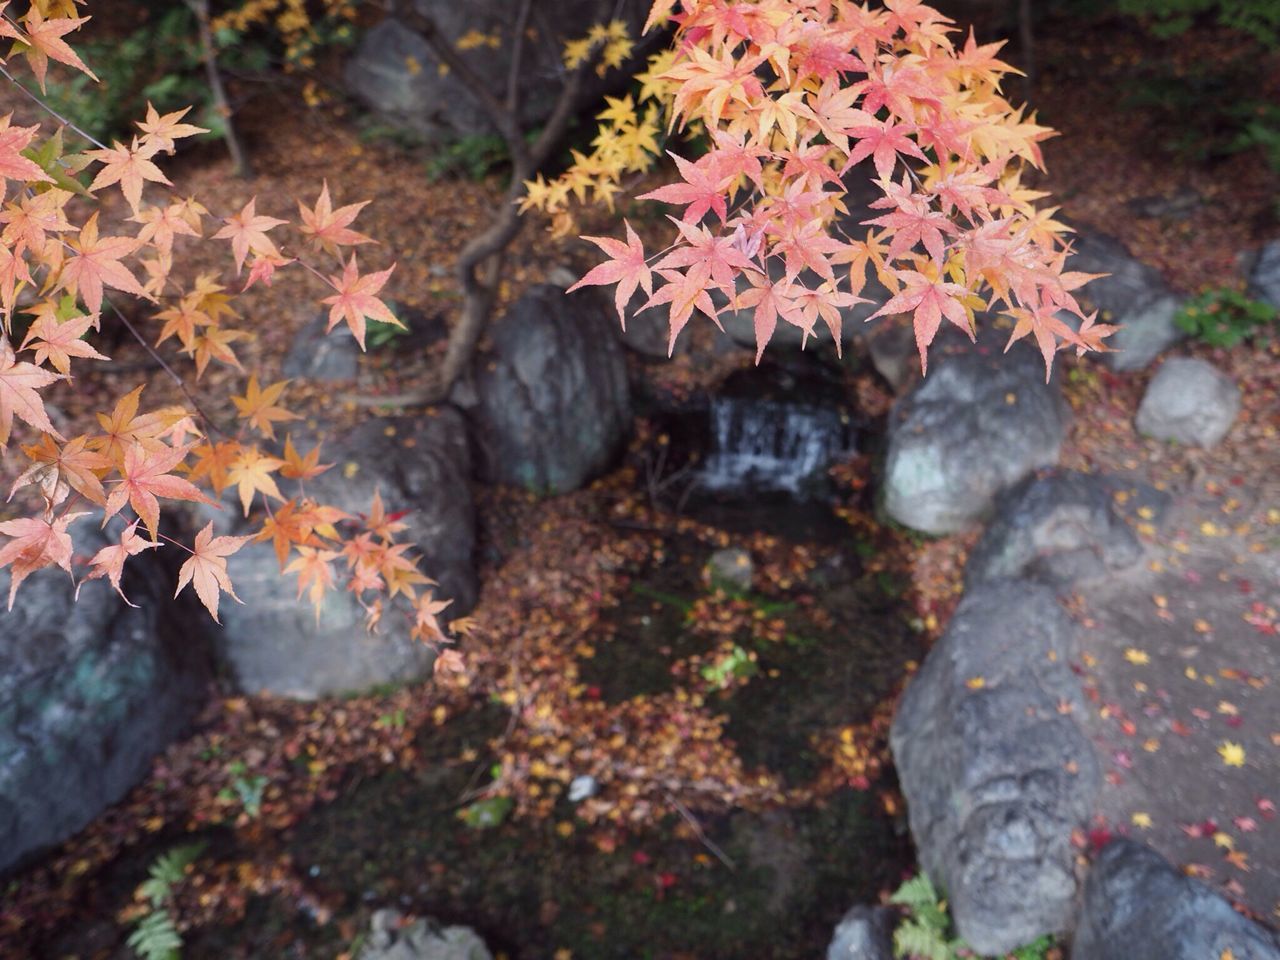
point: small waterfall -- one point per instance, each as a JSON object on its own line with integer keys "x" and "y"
{"x": 759, "y": 445}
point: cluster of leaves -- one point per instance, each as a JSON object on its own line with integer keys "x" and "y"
{"x": 64, "y": 267}
{"x": 303, "y": 26}
{"x": 1225, "y": 317}
{"x": 793, "y": 96}
{"x": 156, "y": 936}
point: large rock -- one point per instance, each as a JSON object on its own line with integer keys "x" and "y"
{"x": 1190, "y": 401}
{"x": 1138, "y": 907}
{"x": 1133, "y": 295}
{"x": 1264, "y": 278}
{"x": 273, "y": 642}
{"x": 395, "y": 72}
{"x": 1058, "y": 529}
{"x": 976, "y": 425}
{"x": 553, "y": 402}
{"x": 392, "y": 938}
{"x": 995, "y": 772}
{"x": 90, "y": 691}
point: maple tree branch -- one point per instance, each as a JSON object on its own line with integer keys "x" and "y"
{"x": 221, "y": 104}
{"x": 517, "y": 56}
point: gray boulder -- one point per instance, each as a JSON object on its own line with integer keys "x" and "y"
{"x": 90, "y": 691}
{"x": 994, "y": 770}
{"x": 1134, "y": 296}
{"x": 395, "y": 73}
{"x": 392, "y": 939}
{"x": 316, "y": 354}
{"x": 553, "y": 404}
{"x": 1058, "y": 529}
{"x": 1138, "y": 907}
{"x": 976, "y": 425}
{"x": 1264, "y": 278}
{"x": 864, "y": 933}
{"x": 273, "y": 642}
{"x": 648, "y": 332}
{"x": 1190, "y": 401}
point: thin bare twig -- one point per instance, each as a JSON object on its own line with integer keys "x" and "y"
{"x": 707, "y": 842}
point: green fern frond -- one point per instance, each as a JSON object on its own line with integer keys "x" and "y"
{"x": 915, "y": 893}
{"x": 156, "y": 938}
{"x": 920, "y": 942}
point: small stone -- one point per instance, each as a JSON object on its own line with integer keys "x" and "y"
{"x": 1190, "y": 401}
{"x": 864, "y": 933}
{"x": 583, "y": 788}
{"x": 731, "y": 569}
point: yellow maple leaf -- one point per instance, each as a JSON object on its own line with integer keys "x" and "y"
{"x": 1232, "y": 754}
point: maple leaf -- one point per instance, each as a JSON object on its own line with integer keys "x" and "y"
{"x": 251, "y": 472}
{"x": 145, "y": 477}
{"x": 213, "y": 460}
{"x": 128, "y": 166}
{"x": 96, "y": 264}
{"x": 929, "y": 299}
{"x": 43, "y": 39}
{"x": 426, "y": 626}
{"x": 263, "y": 267}
{"x": 206, "y": 568}
{"x": 626, "y": 267}
{"x": 58, "y": 470}
{"x": 247, "y": 232}
{"x": 13, "y": 165}
{"x": 161, "y": 225}
{"x": 36, "y": 543}
{"x": 259, "y": 407}
{"x": 298, "y": 467}
{"x": 701, "y": 191}
{"x": 125, "y": 427}
{"x": 109, "y": 561}
{"x": 768, "y": 299}
{"x": 356, "y": 300}
{"x": 328, "y": 228}
{"x": 1232, "y": 754}
{"x": 58, "y": 342}
{"x": 382, "y": 524}
{"x": 215, "y": 344}
{"x": 162, "y": 131}
{"x": 314, "y": 568}
{"x": 19, "y": 383}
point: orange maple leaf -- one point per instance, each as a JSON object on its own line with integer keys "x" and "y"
{"x": 247, "y": 232}
{"x": 329, "y": 229}
{"x": 315, "y": 573}
{"x": 251, "y": 472}
{"x": 128, "y": 166}
{"x": 163, "y": 130}
{"x": 299, "y": 467}
{"x": 18, "y": 397}
{"x": 356, "y": 300}
{"x": 146, "y": 476}
{"x": 13, "y": 165}
{"x": 207, "y": 568}
{"x": 96, "y": 264}
{"x": 58, "y": 470}
{"x": 44, "y": 42}
{"x": 36, "y": 543}
{"x": 109, "y": 561}
{"x": 59, "y": 342}
{"x": 259, "y": 407}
